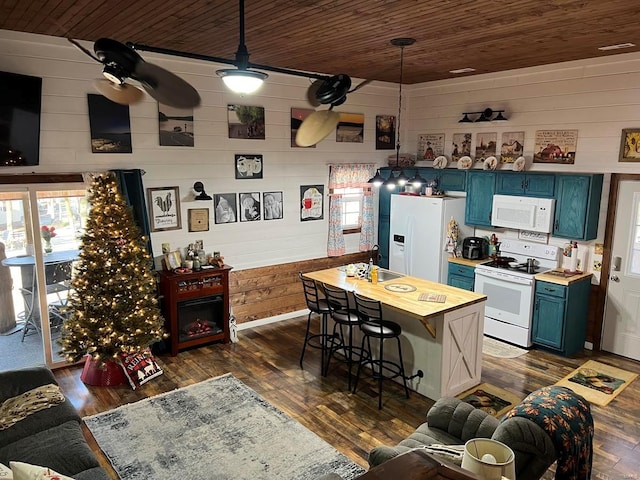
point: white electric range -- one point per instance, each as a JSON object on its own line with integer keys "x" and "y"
{"x": 509, "y": 286}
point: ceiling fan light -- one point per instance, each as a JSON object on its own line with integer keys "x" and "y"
{"x": 242, "y": 81}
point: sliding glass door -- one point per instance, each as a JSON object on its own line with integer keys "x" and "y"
{"x": 40, "y": 230}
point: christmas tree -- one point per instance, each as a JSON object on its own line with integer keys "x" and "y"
{"x": 112, "y": 308}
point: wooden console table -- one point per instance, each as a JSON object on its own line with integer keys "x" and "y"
{"x": 196, "y": 307}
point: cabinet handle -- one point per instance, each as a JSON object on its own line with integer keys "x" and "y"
{"x": 550, "y": 289}
{"x": 556, "y": 224}
{"x": 526, "y": 184}
{"x": 522, "y": 184}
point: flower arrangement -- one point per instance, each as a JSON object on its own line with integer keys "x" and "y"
{"x": 48, "y": 232}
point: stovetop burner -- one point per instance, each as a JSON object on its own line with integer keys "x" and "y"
{"x": 522, "y": 268}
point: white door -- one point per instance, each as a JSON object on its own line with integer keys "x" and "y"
{"x": 621, "y": 326}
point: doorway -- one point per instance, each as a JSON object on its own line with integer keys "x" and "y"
{"x": 40, "y": 230}
{"x": 621, "y": 320}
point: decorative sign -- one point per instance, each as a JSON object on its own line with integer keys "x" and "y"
{"x": 461, "y": 146}
{"x": 512, "y": 146}
{"x": 485, "y": 145}
{"x": 198, "y": 219}
{"x": 164, "y": 208}
{"x": 555, "y": 146}
{"x": 430, "y": 146}
{"x": 311, "y": 202}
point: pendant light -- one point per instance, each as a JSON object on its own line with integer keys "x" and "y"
{"x": 398, "y": 178}
{"x": 242, "y": 80}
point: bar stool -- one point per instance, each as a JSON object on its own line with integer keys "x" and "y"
{"x": 374, "y": 326}
{"x": 343, "y": 316}
{"x": 319, "y": 306}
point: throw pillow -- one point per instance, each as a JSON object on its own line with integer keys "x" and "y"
{"x": 5, "y": 473}
{"x": 24, "y": 471}
{"x": 140, "y": 367}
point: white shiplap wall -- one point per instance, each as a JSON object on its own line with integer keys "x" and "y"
{"x": 65, "y": 146}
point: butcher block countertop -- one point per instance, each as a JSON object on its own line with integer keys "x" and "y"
{"x": 467, "y": 262}
{"x": 560, "y": 277}
{"x": 407, "y": 302}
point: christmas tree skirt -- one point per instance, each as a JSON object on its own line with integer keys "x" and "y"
{"x": 108, "y": 375}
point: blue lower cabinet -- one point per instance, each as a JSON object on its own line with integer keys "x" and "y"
{"x": 461, "y": 276}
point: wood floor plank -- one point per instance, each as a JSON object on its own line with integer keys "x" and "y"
{"x": 267, "y": 360}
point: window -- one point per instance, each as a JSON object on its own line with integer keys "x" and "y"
{"x": 351, "y": 208}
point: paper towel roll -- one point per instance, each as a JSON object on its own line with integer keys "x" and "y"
{"x": 573, "y": 261}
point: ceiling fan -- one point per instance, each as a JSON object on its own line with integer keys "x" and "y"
{"x": 122, "y": 62}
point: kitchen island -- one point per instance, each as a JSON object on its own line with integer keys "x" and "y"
{"x": 444, "y": 340}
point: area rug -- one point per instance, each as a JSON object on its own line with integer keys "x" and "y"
{"x": 496, "y": 348}
{"x": 597, "y": 382}
{"x": 217, "y": 429}
{"x": 491, "y": 399}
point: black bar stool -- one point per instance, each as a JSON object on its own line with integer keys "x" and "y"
{"x": 319, "y": 306}
{"x": 374, "y": 326}
{"x": 343, "y": 316}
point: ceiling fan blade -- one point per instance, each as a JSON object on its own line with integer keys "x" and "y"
{"x": 166, "y": 87}
{"x": 360, "y": 85}
{"x": 333, "y": 90}
{"x": 84, "y": 50}
{"x": 123, "y": 94}
{"x": 317, "y": 127}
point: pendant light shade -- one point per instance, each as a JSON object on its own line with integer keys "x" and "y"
{"x": 242, "y": 81}
{"x": 377, "y": 180}
{"x": 417, "y": 181}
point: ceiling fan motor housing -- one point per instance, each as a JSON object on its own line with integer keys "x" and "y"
{"x": 334, "y": 90}
{"x": 119, "y": 60}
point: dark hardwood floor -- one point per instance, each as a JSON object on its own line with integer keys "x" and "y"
{"x": 266, "y": 359}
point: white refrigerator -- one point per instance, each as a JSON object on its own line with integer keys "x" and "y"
{"x": 418, "y": 234}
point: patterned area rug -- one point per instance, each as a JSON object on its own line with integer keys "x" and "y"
{"x": 491, "y": 399}
{"x": 496, "y": 348}
{"x": 597, "y": 382}
{"x": 219, "y": 428}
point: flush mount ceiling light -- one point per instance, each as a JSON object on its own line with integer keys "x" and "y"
{"x": 485, "y": 115}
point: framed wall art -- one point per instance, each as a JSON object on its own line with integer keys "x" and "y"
{"x": 246, "y": 122}
{"x": 110, "y": 125}
{"x": 512, "y": 146}
{"x": 385, "y": 132}
{"x": 460, "y": 146}
{"x": 248, "y": 165}
{"x": 630, "y": 145}
{"x": 175, "y": 126}
{"x": 555, "y": 146}
{"x": 272, "y": 204}
{"x": 198, "y": 219}
{"x": 226, "y": 207}
{"x": 298, "y": 115}
{"x": 485, "y": 145}
{"x": 350, "y": 128}
{"x": 430, "y": 146}
{"x": 249, "y": 210}
{"x": 164, "y": 208}
{"x": 311, "y": 202}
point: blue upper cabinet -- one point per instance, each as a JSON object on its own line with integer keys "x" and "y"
{"x": 481, "y": 185}
{"x": 450, "y": 179}
{"x": 577, "y": 206}
{"x": 527, "y": 184}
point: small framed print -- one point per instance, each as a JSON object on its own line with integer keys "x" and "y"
{"x": 248, "y": 166}
{"x": 250, "y": 207}
{"x": 198, "y": 219}
{"x": 164, "y": 208}
{"x": 226, "y": 207}
{"x": 272, "y": 204}
{"x": 630, "y": 145}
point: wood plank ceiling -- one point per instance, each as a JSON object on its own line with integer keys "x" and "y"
{"x": 350, "y": 36}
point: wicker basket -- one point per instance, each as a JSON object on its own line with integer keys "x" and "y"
{"x": 404, "y": 160}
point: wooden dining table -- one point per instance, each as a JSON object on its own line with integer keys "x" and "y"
{"x": 443, "y": 339}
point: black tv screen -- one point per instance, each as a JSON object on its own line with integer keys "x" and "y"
{"x": 20, "y": 103}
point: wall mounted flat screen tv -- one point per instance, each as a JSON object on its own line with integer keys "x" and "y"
{"x": 20, "y": 105}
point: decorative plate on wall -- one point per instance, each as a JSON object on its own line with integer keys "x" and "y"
{"x": 518, "y": 165}
{"x": 465, "y": 163}
{"x": 440, "y": 162}
{"x": 490, "y": 163}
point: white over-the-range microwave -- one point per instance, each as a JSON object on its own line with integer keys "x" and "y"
{"x": 523, "y": 213}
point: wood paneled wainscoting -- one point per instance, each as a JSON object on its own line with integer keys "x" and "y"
{"x": 265, "y": 292}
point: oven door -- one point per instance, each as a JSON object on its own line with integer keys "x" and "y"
{"x": 509, "y": 297}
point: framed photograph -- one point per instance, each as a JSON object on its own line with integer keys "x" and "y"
{"x": 630, "y": 145}
{"x": 248, "y": 165}
{"x": 250, "y": 207}
{"x": 512, "y": 146}
{"x": 485, "y": 145}
{"x": 173, "y": 260}
{"x": 272, "y": 205}
{"x": 198, "y": 219}
{"x": 460, "y": 146}
{"x": 226, "y": 207}
{"x": 175, "y": 126}
{"x": 311, "y": 202}
{"x": 298, "y": 115}
{"x": 164, "y": 208}
{"x": 555, "y": 146}
{"x": 430, "y": 146}
{"x": 110, "y": 126}
{"x": 385, "y": 132}
{"x": 350, "y": 128}
{"x": 246, "y": 122}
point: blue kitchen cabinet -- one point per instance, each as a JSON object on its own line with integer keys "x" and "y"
{"x": 481, "y": 186}
{"x": 560, "y": 315}
{"x": 577, "y": 206}
{"x": 461, "y": 276}
{"x": 526, "y": 184}
{"x": 450, "y": 180}
{"x": 384, "y": 227}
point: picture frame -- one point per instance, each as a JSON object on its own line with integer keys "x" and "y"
{"x": 249, "y": 165}
{"x": 485, "y": 145}
{"x": 198, "y": 219}
{"x": 226, "y": 208}
{"x": 164, "y": 208}
{"x": 630, "y": 145}
{"x": 175, "y": 126}
{"x": 272, "y": 205}
{"x": 430, "y": 146}
{"x": 460, "y": 146}
{"x": 311, "y": 202}
{"x": 249, "y": 207}
{"x": 109, "y": 125}
{"x": 385, "y": 132}
{"x": 512, "y": 146}
{"x": 246, "y": 121}
{"x": 555, "y": 146}
{"x": 350, "y": 128}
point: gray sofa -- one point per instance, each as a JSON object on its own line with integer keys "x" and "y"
{"x": 52, "y": 437}
{"x": 452, "y": 422}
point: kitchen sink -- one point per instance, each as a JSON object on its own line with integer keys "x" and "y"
{"x": 385, "y": 275}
